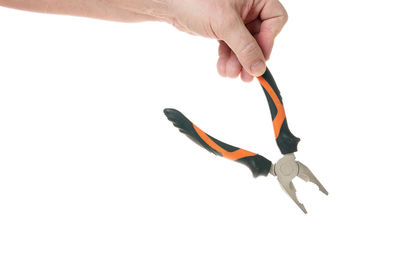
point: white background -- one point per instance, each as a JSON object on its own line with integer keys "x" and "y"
{"x": 92, "y": 173}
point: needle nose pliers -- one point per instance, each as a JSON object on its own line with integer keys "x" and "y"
{"x": 286, "y": 169}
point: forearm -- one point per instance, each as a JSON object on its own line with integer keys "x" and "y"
{"x": 117, "y": 10}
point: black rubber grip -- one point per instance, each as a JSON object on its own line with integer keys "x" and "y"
{"x": 256, "y": 163}
{"x": 286, "y": 141}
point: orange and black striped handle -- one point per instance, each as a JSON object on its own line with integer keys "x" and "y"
{"x": 256, "y": 163}
{"x": 286, "y": 141}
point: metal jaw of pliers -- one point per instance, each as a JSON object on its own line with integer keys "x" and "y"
{"x": 286, "y": 169}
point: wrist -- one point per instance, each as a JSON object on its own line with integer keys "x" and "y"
{"x": 157, "y": 9}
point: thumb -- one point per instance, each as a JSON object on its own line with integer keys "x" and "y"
{"x": 245, "y": 46}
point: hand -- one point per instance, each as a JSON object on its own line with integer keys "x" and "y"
{"x": 246, "y": 30}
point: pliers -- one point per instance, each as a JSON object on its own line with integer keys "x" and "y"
{"x": 285, "y": 169}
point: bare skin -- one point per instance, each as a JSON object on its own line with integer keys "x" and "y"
{"x": 245, "y": 29}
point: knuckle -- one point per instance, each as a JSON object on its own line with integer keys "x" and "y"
{"x": 285, "y": 16}
{"x": 248, "y": 50}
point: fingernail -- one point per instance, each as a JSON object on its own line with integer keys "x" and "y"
{"x": 258, "y": 68}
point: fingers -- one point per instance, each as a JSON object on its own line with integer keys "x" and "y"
{"x": 229, "y": 66}
{"x": 245, "y": 76}
{"x": 233, "y": 67}
{"x": 245, "y": 46}
{"x": 224, "y": 53}
{"x": 265, "y": 40}
{"x": 274, "y": 17}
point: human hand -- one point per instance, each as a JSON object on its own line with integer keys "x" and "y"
{"x": 246, "y": 30}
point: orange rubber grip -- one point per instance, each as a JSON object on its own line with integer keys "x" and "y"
{"x": 235, "y": 155}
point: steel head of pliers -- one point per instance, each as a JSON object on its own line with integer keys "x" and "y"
{"x": 286, "y": 169}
